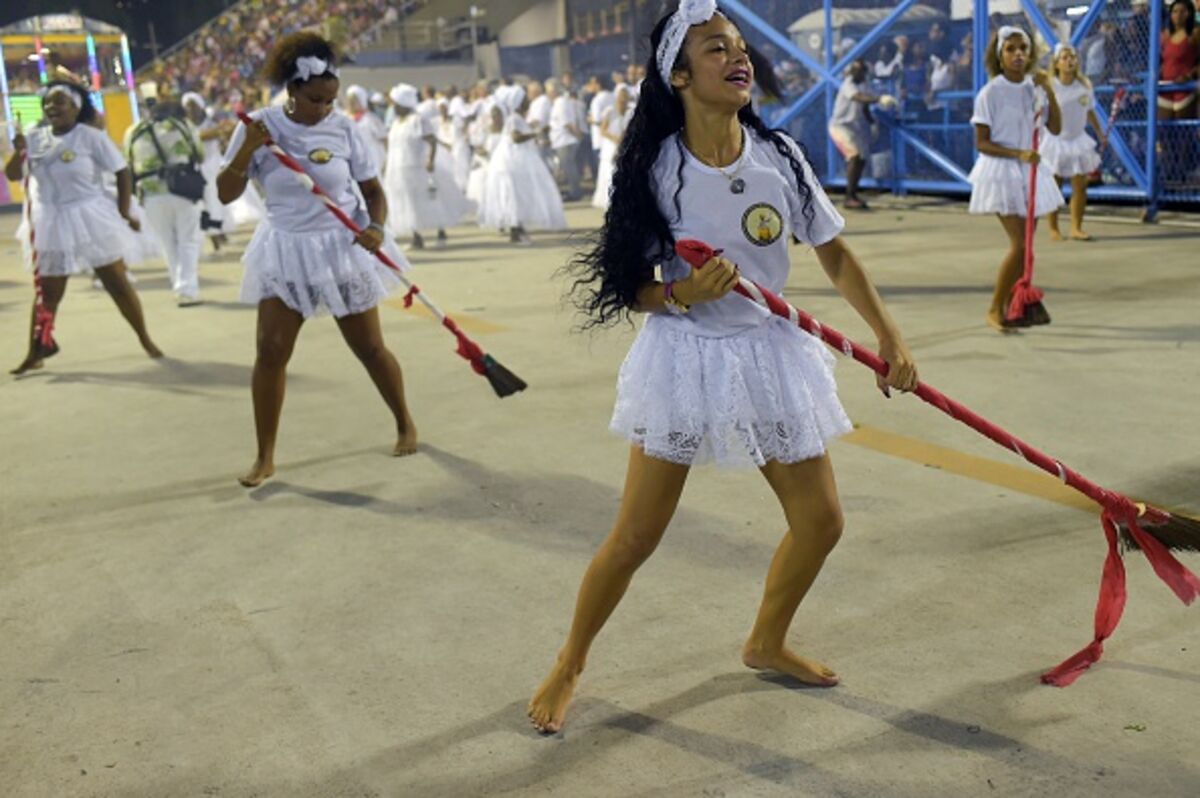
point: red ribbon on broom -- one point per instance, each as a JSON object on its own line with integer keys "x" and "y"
{"x": 1025, "y": 308}
{"x": 1138, "y": 526}
{"x": 503, "y": 381}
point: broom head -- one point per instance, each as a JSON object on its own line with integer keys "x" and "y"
{"x": 1176, "y": 532}
{"x": 503, "y": 381}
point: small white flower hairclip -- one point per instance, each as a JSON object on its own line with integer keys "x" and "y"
{"x": 309, "y": 67}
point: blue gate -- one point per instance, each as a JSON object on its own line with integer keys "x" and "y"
{"x": 927, "y": 145}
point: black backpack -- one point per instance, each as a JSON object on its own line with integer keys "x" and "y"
{"x": 182, "y": 179}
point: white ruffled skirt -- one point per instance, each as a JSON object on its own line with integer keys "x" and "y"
{"x": 317, "y": 272}
{"x": 1001, "y": 185}
{"x": 604, "y": 174}
{"x": 520, "y": 190}
{"x": 78, "y": 237}
{"x": 1070, "y": 157}
{"x": 739, "y": 401}
{"x": 413, "y": 206}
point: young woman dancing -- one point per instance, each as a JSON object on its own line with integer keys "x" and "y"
{"x": 301, "y": 260}
{"x": 76, "y": 226}
{"x": 1072, "y": 155}
{"x": 713, "y": 377}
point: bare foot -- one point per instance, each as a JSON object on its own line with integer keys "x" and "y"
{"x": 996, "y": 321}
{"x": 549, "y": 704}
{"x": 152, "y": 350}
{"x": 406, "y": 439}
{"x": 1079, "y": 235}
{"x": 1055, "y": 235}
{"x": 783, "y": 661}
{"x": 259, "y": 473}
{"x": 28, "y": 364}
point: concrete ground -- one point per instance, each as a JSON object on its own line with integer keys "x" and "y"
{"x": 370, "y": 626}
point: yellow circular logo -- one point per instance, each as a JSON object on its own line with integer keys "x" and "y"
{"x": 67, "y": 156}
{"x": 1084, "y": 101}
{"x": 320, "y": 156}
{"x": 762, "y": 224}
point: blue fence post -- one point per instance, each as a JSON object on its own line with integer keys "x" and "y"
{"x": 1153, "y": 178}
{"x": 1085, "y": 24}
{"x": 829, "y": 92}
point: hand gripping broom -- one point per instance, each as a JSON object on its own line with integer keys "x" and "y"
{"x": 1135, "y": 525}
{"x": 503, "y": 381}
{"x": 1025, "y": 308}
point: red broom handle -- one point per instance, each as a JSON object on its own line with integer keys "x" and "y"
{"x": 1117, "y": 104}
{"x": 697, "y": 253}
{"x": 467, "y": 348}
{"x": 1031, "y": 204}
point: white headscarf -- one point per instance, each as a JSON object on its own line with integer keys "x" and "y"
{"x": 405, "y": 96}
{"x": 73, "y": 96}
{"x": 360, "y": 94}
{"x": 690, "y": 12}
{"x": 194, "y": 98}
{"x": 1061, "y": 48}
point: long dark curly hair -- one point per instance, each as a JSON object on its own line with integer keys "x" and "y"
{"x": 636, "y": 236}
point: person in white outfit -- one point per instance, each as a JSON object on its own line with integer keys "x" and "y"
{"x": 302, "y": 261}
{"x": 484, "y": 143}
{"x": 602, "y": 100}
{"x": 850, "y": 128}
{"x": 461, "y": 115}
{"x": 76, "y": 226}
{"x": 714, "y": 377}
{"x": 613, "y": 122}
{"x": 211, "y": 134}
{"x": 358, "y": 108}
{"x": 1073, "y": 155}
{"x": 566, "y": 134}
{"x": 520, "y": 194}
{"x": 422, "y": 195}
{"x": 162, "y": 142}
{"x": 541, "y": 101}
{"x": 1004, "y": 119}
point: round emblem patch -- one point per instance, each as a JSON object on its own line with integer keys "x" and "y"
{"x": 67, "y": 156}
{"x": 320, "y": 156}
{"x": 762, "y": 225}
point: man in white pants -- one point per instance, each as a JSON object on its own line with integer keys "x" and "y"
{"x": 163, "y": 139}
{"x": 565, "y": 135}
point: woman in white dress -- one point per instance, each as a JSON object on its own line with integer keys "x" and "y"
{"x": 76, "y": 225}
{"x": 421, "y": 194}
{"x": 1004, "y": 120}
{"x": 715, "y": 377}
{"x": 1073, "y": 155}
{"x": 520, "y": 193}
{"x": 358, "y": 107}
{"x": 486, "y": 132}
{"x": 613, "y": 122}
{"x": 461, "y": 115}
{"x": 301, "y": 261}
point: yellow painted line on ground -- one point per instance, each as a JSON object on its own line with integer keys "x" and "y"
{"x": 1023, "y": 479}
{"x": 470, "y": 324}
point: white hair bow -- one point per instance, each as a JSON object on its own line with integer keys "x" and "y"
{"x": 1006, "y": 33}
{"x": 690, "y": 12}
{"x": 309, "y": 67}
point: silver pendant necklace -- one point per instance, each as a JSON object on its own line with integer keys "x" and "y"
{"x": 736, "y": 184}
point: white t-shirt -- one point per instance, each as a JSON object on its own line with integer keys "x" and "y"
{"x": 428, "y": 109}
{"x": 754, "y": 227}
{"x": 846, "y": 110}
{"x": 332, "y": 152}
{"x": 71, "y": 168}
{"x": 603, "y": 100}
{"x": 538, "y": 115}
{"x": 1007, "y": 109}
{"x": 407, "y": 140}
{"x": 562, "y": 114}
{"x": 1074, "y": 101}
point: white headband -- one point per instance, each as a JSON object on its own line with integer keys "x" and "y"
{"x": 309, "y": 67}
{"x": 72, "y": 95}
{"x": 690, "y": 12}
{"x": 193, "y": 97}
{"x": 1006, "y": 33}
{"x": 1061, "y": 48}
